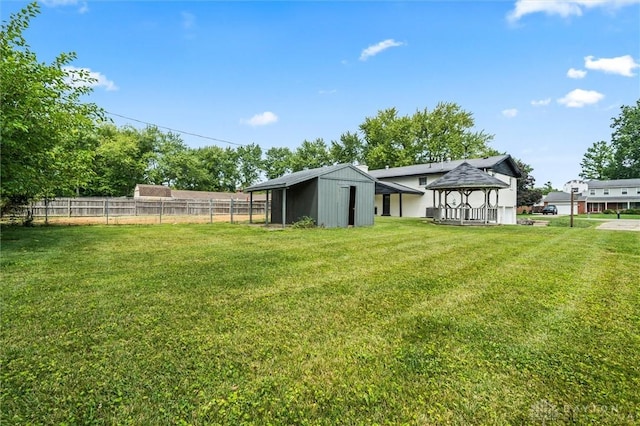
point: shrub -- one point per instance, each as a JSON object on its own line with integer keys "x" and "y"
{"x": 630, "y": 211}
{"x": 609, "y": 211}
{"x": 304, "y": 222}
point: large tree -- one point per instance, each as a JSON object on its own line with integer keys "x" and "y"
{"x": 45, "y": 127}
{"x": 625, "y": 142}
{"x": 528, "y": 195}
{"x": 619, "y": 159}
{"x": 444, "y": 133}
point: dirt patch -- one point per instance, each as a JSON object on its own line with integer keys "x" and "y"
{"x": 621, "y": 225}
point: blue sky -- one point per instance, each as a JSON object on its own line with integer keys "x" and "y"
{"x": 545, "y": 77}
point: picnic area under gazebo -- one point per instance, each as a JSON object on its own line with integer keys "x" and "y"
{"x": 475, "y": 190}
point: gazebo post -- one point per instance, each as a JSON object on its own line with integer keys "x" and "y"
{"x": 486, "y": 205}
{"x": 400, "y": 202}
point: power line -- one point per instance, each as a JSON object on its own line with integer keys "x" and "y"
{"x": 176, "y": 130}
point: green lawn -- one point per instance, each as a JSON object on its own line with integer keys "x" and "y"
{"x": 403, "y": 322}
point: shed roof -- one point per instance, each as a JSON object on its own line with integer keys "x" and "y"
{"x": 466, "y": 176}
{"x": 295, "y": 178}
{"x": 504, "y": 163}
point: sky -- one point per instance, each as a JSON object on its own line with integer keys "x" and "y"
{"x": 544, "y": 77}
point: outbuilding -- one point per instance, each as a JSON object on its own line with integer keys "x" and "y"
{"x": 333, "y": 196}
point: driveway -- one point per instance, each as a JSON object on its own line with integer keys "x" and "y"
{"x": 621, "y": 225}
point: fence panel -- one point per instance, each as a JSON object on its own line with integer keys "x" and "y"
{"x": 128, "y": 207}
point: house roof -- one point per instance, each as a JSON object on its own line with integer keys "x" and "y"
{"x": 561, "y": 197}
{"x": 617, "y": 183}
{"x": 466, "y": 176}
{"x": 501, "y": 163}
{"x": 153, "y": 190}
{"x": 295, "y": 178}
{"x": 386, "y": 187}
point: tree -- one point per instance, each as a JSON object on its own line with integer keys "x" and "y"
{"x": 45, "y": 128}
{"x": 625, "y": 142}
{"x": 426, "y": 136}
{"x": 122, "y": 159}
{"x": 277, "y": 162}
{"x": 597, "y": 161}
{"x": 619, "y": 159}
{"x": 221, "y": 165}
{"x": 527, "y": 194}
{"x": 348, "y": 150}
{"x": 249, "y": 164}
{"x": 310, "y": 155}
{"x": 547, "y": 188}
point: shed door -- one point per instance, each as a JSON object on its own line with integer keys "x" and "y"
{"x": 352, "y": 206}
{"x": 343, "y": 206}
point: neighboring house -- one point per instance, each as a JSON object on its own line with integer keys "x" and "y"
{"x": 161, "y": 192}
{"x": 596, "y": 196}
{"x": 617, "y": 194}
{"x": 405, "y": 193}
{"x": 562, "y": 200}
{"x": 334, "y": 196}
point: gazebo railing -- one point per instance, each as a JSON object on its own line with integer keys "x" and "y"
{"x": 466, "y": 214}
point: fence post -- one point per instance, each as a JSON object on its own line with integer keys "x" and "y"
{"x": 69, "y": 207}
{"x": 106, "y": 209}
{"x": 231, "y": 210}
{"x": 210, "y": 210}
{"x": 135, "y": 207}
{"x": 161, "y": 210}
{"x": 46, "y": 209}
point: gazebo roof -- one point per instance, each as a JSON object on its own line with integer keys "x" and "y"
{"x": 465, "y": 176}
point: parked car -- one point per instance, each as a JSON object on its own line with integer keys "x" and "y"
{"x": 550, "y": 209}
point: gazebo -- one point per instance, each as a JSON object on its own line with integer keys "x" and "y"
{"x": 474, "y": 187}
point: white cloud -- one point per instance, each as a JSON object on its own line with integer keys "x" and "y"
{"x": 84, "y": 7}
{"x": 541, "y": 102}
{"x": 510, "y": 113}
{"x": 574, "y": 73}
{"x": 262, "y": 119}
{"x": 622, "y": 65}
{"x": 84, "y": 77}
{"x": 373, "y": 50}
{"x": 563, "y": 8}
{"x": 188, "y": 20}
{"x": 578, "y": 98}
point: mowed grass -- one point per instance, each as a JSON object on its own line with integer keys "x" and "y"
{"x": 401, "y": 323}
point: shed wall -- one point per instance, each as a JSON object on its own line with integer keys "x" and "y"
{"x": 334, "y": 193}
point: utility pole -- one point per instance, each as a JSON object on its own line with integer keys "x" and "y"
{"x": 573, "y": 191}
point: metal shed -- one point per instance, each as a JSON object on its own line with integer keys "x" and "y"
{"x": 333, "y": 196}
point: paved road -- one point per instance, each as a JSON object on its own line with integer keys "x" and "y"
{"x": 621, "y": 225}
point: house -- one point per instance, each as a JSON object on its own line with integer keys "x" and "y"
{"x": 616, "y": 194}
{"x": 402, "y": 191}
{"x": 562, "y": 200}
{"x": 334, "y": 196}
{"x": 161, "y": 192}
{"x": 596, "y": 196}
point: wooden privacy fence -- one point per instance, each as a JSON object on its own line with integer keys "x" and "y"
{"x": 128, "y": 207}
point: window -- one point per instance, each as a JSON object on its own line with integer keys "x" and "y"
{"x": 606, "y": 191}
{"x": 637, "y": 190}
{"x": 592, "y": 191}
{"x": 624, "y": 191}
{"x": 422, "y": 181}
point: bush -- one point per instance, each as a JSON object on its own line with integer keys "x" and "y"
{"x": 630, "y": 211}
{"x": 609, "y": 211}
{"x": 304, "y": 222}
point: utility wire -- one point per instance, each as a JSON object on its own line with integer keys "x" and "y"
{"x": 175, "y": 130}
